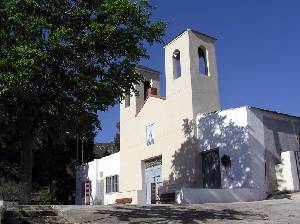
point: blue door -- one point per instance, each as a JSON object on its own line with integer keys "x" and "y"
{"x": 152, "y": 181}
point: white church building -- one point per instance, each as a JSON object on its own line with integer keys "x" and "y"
{"x": 182, "y": 148}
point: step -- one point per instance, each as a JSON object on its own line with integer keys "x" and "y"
{"x": 28, "y": 215}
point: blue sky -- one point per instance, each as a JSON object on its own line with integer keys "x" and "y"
{"x": 257, "y": 51}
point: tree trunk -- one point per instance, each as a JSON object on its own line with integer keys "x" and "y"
{"x": 26, "y": 164}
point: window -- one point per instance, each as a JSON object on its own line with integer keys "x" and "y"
{"x": 115, "y": 183}
{"x": 150, "y": 134}
{"x": 203, "y": 70}
{"x": 176, "y": 64}
{"x": 147, "y": 86}
{"x": 112, "y": 184}
{"x": 127, "y": 100}
{"x": 211, "y": 169}
{"x": 108, "y": 184}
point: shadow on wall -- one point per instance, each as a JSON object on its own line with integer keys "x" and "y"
{"x": 280, "y": 136}
{"x": 81, "y": 177}
{"x": 85, "y": 172}
{"x": 215, "y": 131}
{"x": 185, "y": 172}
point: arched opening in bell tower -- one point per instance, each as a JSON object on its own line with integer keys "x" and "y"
{"x": 176, "y": 64}
{"x": 147, "y": 86}
{"x": 203, "y": 69}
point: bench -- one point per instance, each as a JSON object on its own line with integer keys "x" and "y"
{"x": 124, "y": 201}
{"x": 167, "y": 198}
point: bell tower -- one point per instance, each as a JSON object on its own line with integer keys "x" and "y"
{"x": 191, "y": 71}
{"x": 133, "y": 103}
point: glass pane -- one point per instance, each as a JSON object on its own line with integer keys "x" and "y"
{"x": 117, "y": 183}
{"x": 113, "y": 184}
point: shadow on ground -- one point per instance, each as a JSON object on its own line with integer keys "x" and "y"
{"x": 280, "y": 195}
{"x": 180, "y": 214}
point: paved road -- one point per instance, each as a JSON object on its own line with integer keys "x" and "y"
{"x": 285, "y": 210}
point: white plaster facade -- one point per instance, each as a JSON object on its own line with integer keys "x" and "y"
{"x": 245, "y": 135}
{"x": 97, "y": 171}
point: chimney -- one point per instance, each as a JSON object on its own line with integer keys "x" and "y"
{"x": 152, "y": 91}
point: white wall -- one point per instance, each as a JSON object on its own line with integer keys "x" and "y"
{"x": 286, "y": 172}
{"x": 81, "y": 176}
{"x": 109, "y": 166}
{"x": 262, "y": 147}
{"x": 227, "y": 130}
{"x": 197, "y": 195}
{"x": 92, "y": 176}
{"x": 238, "y": 134}
{"x": 257, "y": 148}
{"x": 280, "y": 140}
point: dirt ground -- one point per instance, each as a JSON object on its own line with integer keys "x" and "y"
{"x": 283, "y": 209}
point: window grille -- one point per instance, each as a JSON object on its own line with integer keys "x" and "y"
{"x": 112, "y": 184}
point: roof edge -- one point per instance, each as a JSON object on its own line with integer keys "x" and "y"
{"x": 189, "y": 30}
{"x": 142, "y": 67}
{"x": 253, "y": 107}
{"x": 275, "y": 112}
{"x": 154, "y": 96}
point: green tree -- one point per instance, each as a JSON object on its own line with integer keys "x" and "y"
{"x": 106, "y": 149}
{"x": 117, "y": 137}
{"x": 53, "y": 171}
{"x": 61, "y": 62}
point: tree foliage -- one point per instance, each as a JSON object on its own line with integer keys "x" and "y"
{"x": 53, "y": 172}
{"x": 61, "y": 62}
{"x": 106, "y": 149}
{"x": 117, "y": 137}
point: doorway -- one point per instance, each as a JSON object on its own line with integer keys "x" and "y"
{"x": 297, "y": 157}
{"x": 152, "y": 180}
{"x": 211, "y": 169}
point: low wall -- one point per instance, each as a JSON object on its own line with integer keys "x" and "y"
{"x": 110, "y": 198}
{"x": 137, "y": 196}
{"x": 197, "y": 195}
